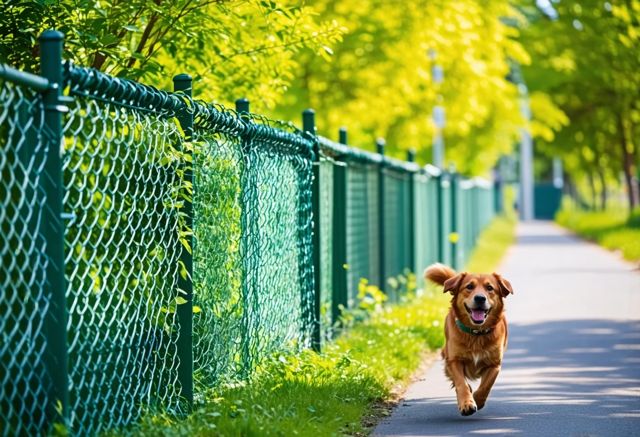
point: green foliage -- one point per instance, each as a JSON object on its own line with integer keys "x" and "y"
{"x": 217, "y": 261}
{"x": 371, "y": 298}
{"x": 587, "y": 61}
{"x": 614, "y": 229}
{"x": 232, "y": 48}
{"x": 383, "y": 62}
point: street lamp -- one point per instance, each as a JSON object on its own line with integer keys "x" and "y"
{"x": 438, "y": 115}
{"x": 526, "y": 199}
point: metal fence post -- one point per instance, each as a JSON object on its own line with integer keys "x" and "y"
{"x": 439, "y": 216}
{"x": 183, "y": 83}
{"x": 453, "y": 237}
{"x": 309, "y": 126}
{"x": 339, "y": 237}
{"x": 497, "y": 190}
{"x": 53, "y": 228}
{"x": 411, "y": 157}
{"x": 250, "y": 236}
{"x": 380, "y": 143}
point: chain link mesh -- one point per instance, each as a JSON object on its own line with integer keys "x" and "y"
{"x": 445, "y": 217}
{"x": 426, "y": 231}
{"x": 24, "y": 382}
{"x": 218, "y": 294}
{"x": 397, "y": 222}
{"x": 252, "y": 249}
{"x": 122, "y": 187}
{"x": 363, "y": 243}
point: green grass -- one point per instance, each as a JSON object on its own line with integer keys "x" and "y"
{"x": 332, "y": 393}
{"x": 614, "y": 229}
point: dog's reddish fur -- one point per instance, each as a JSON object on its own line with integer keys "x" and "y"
{"x": 469, "y": 356}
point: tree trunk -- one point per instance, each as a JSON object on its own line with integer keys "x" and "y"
{"x": 594, "y": 192}
{"x": 628, "y": 164}
{"x": 603, "y": 188}
{"x": 599, "y": 169}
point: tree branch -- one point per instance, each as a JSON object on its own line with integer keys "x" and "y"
{"x": 277, "y": 46}
{"x": 153, "y": 19}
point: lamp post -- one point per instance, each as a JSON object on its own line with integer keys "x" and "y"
{"x": 526, "y": 159}
{"x": 438, "y": 115}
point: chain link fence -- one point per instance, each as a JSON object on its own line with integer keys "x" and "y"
{"x": 154, "y": 246}
{"x": 24, "y": 380}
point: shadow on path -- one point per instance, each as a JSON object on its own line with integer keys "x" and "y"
{"x": 565, "y": 378}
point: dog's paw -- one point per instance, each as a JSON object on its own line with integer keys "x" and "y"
{"x": 479, "y": 402}
{"x": 468, "y": 408}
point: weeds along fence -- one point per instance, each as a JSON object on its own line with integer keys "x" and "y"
{"x": 153, "y": 245}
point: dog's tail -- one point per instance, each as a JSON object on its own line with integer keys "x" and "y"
{"x": 439, "y": 273}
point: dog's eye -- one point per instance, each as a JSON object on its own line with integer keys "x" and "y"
{"x": 469, "y": 286}
{"x": 489, "y": 288}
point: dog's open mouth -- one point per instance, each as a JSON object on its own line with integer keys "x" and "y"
{"x": 478, "y": 315}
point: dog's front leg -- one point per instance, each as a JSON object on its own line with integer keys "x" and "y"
{"x": 482, "y": 392}
{"x": 466, "y": 404}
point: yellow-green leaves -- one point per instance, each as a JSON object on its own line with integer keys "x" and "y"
{"x": 548, "y": 118}
{"x": 585, "y": 88}
{"x": 232, "y": 48}
{"x": 380, "y": 82}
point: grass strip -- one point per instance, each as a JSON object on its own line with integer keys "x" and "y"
{"x": 614, "y": 229}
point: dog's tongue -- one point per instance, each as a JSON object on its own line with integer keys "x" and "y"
{"x": 477, "y": 315}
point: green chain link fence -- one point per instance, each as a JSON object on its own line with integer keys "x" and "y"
{"x": 24, "y": 379}
{"x": 153, "y": 245}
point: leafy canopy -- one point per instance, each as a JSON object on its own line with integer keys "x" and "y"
{"x": 233, "y": 48}
{"x": 379, "y": 80}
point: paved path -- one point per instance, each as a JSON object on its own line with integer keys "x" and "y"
{"x": 573, "y": 363}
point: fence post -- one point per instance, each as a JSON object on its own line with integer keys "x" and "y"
{"x": 53, "y": 228}
{"x": 411, "y": 157}
{"x": 250, "y": 235}
{"x": 183, "y": 83}
{"x": 309, "y": 126}
{"x": 497, "y": 189}
{"x": 453, "y": 235}
{"x": 439, "y": 216}
{"x": 339, "y": 238}
{"x": 380, "y": 143}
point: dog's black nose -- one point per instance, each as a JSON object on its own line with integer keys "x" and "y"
{"x": 479, "y": 299}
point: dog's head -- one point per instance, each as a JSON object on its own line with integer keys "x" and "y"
{"x": 477, "y": 298}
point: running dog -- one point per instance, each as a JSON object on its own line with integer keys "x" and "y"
{"x": 475, "y": 331}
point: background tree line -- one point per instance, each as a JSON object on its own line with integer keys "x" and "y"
{"x": 368, "y": 65}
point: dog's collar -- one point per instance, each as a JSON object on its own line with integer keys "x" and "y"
{"x": 466, "y": 329}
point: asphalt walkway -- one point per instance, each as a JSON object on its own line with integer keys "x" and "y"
{"x": 572, "y": 367}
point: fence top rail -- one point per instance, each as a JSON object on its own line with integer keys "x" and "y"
{"x": 212, "y": 117}
{"x": 482, "y": 183}
{"x": 34, "y": 81}
{"x": 342, "y": 151}
{"x": 477, "y": 182}
{"x": 206, "y": 117}
{"x": 348, "y": 153}
{"x": 403, "y": 166}
{"x": 432, "y": 170}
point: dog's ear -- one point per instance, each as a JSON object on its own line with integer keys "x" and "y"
{"x": 505, "y": 286}
{"x": 453, "y": 284}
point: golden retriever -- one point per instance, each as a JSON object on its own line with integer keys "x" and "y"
{"x": 475, "y": 331}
